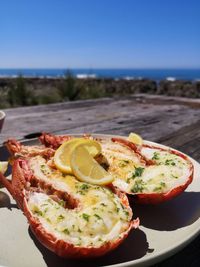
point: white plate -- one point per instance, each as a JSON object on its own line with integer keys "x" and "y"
{"x": 165, "y": 229}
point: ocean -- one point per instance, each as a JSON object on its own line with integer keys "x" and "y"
{"x": 154, "y": 74}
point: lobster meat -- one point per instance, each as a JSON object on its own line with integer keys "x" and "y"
{"x": 159, "y": 175}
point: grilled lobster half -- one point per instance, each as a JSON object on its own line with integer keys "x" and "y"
{"x": 71, "y": 218}
{"x": 149, "y": 174}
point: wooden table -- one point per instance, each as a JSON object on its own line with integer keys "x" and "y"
{"x": 167, "y": 120}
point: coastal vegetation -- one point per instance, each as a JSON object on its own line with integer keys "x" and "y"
{"x": 21, "y": 91}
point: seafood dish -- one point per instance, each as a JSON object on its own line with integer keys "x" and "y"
{"x": 78, "y": 212}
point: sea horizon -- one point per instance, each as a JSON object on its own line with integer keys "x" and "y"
{"x": 172, "y": 74}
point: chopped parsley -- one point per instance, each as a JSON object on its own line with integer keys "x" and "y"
{"x": 97, "y": 216}
{"x": 160, "y": 187}
{"x": 117, "y": 209}
{"x": 38, "y": 212}
{"x": 60, "y": 217}
{"x": 126, "y": 212}
{"x": 86, "y": 217}
{"x": 155, "y": 156}
{"x": 138, "y": 186}
{"x": 66, "y": 231}
{"x": 170, "y": 162}
{"x": 42, "y": 168}
{"x": 163, "y": 184}
{"x": 62, "y": 203}
{"x": 138, "y": 172}
{"x": 84, "y": 187}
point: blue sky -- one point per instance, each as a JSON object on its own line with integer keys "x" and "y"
{"x": 100, "y": 33}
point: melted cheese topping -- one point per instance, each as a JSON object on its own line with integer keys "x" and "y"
{"x": 99, "y": 217}
{"x": 132, "y": 176}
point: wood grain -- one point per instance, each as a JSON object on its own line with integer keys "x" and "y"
{"x": 156, "y": 118}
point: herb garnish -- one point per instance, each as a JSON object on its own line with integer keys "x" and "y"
{"x": 62, "y": 203}
{"x": 155, "y": 156}
{"x": 159, "y": 188}
{"x": 66, "y": 231}
{"x": 170, "y": 162}
{"x": 97, "y": 216}
{"x": 138, "y": 172}
{"x": 60, "y": 217}
{"x": 86, "y": 217}
{"x": 84, "y": 186}
{"x": 38, "y": 212}
{"x": 138, "y": 186}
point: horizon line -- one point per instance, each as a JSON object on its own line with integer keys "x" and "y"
{"x": 99, "y": 68}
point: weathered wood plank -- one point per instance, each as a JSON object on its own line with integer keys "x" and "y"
{"x": 144, "y": 115}
{"x": 187, "y": 139}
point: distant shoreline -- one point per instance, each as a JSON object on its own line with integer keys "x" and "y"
{"x": 126, "y": 74}
{"x": 21, "y": 91}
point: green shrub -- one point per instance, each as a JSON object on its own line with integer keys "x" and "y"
{"x": 67, "y": 88}
{"x": 18, "y": 94}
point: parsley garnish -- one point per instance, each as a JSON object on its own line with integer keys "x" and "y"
{"x": 62, "y": 203}
{"x": 38, "y": 212}
{"x": 66, "y": 231}
{"x": 138, "y": 172}
{"x": 159, "y": 188}
{"x": 97, "y": 216}
{"x": 86, "y": 217}
{"x": 60, "y": 217}
{"x": 138, "y": 186}
{"x": 155, "y": 156}
{"x": 84, "y": 186}
{"x": 170, "y": 162}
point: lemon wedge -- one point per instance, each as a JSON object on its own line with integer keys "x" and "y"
{"x": 86, "y": 169}
{"x": 135, "y": 138}
{"x": 63, "y": 153}
{"x": 3, "y": 166}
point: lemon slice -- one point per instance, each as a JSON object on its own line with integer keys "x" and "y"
{"x": 86, "y": 169}
{"x": 63, "y": 153}
{"x": 3, "y": 166}
{"x": 135, "y": 138}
